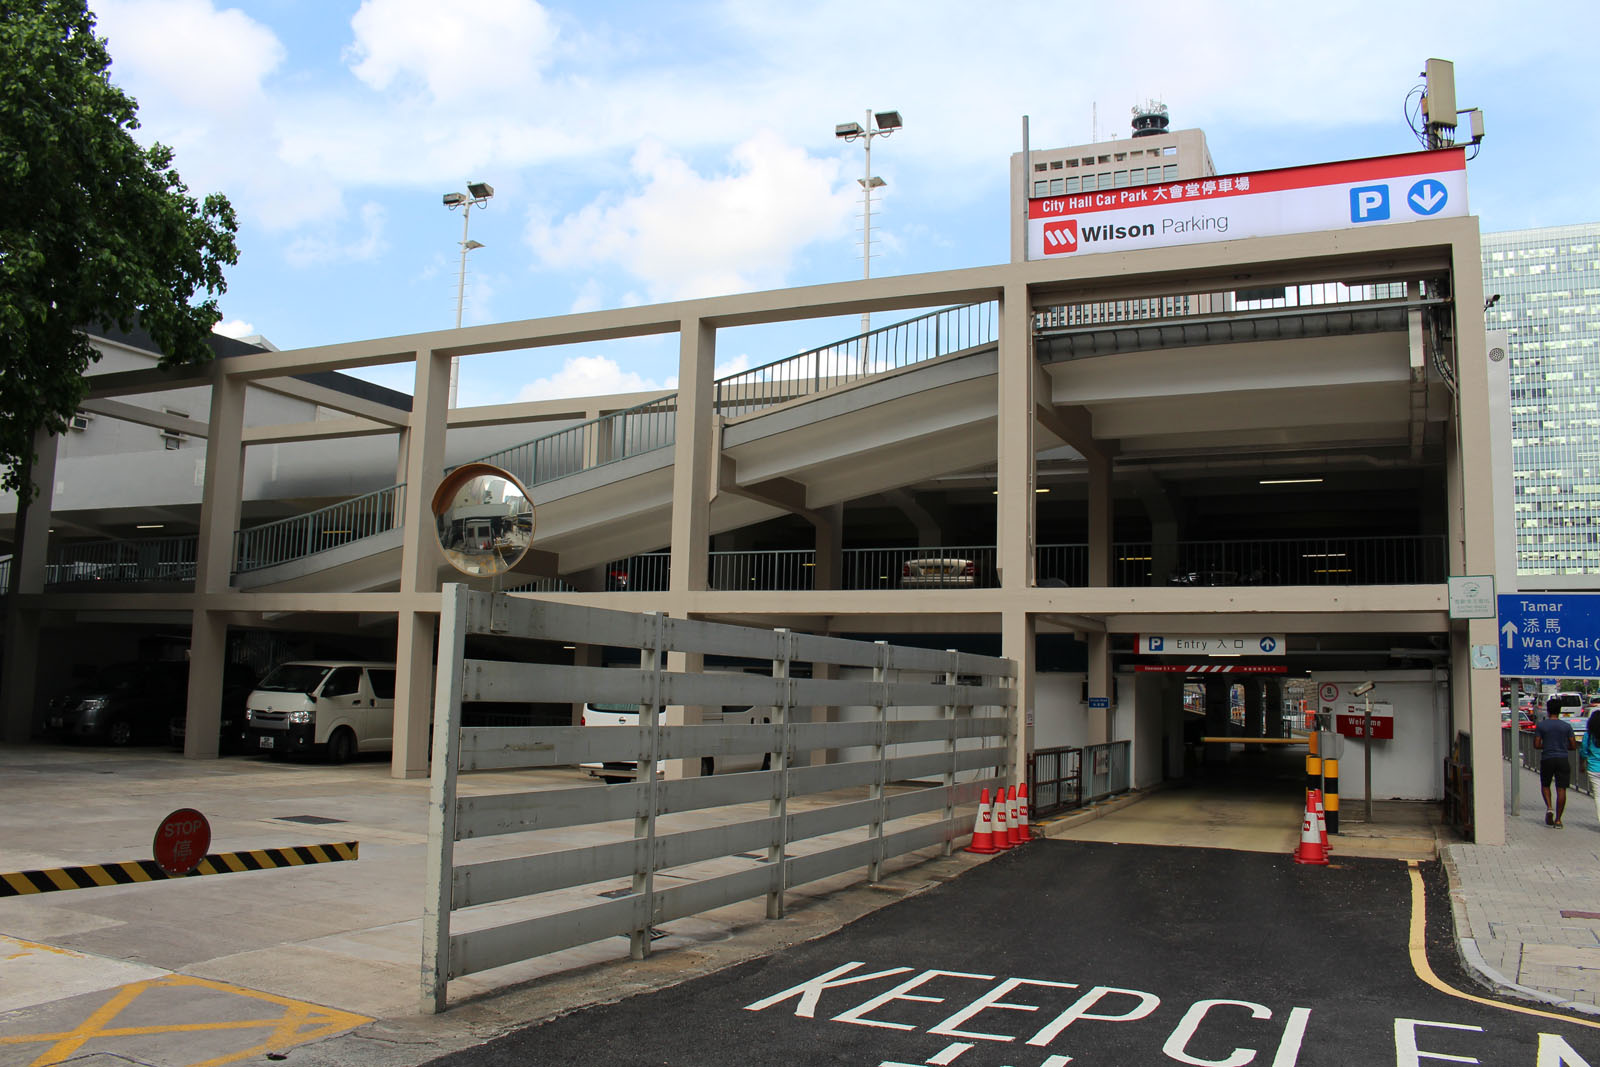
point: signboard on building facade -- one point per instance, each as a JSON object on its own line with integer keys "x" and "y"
{"x": 1325, "y": 196}
{"x": 1210, "y": 644}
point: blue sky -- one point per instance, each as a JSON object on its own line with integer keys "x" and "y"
{"x": 643, "y": 152}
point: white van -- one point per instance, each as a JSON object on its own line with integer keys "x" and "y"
{"x": 628, "y": 715}
{"x": 339, "y": 706}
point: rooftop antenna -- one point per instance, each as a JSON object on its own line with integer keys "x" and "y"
{"x": 1150, "y": 118}
{"x": 1437, "y": 109}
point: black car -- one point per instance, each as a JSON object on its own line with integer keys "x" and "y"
{"x": 237, "y": 682}
{"x": 125, "y": 704}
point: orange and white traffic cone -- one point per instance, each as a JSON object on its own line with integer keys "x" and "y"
{"x": 1013, "y": 820}
{"x": 1002, "y": 831}
{"x": 983, "y": 828}
{"x": 1310, "y": 850}
{"x": 1022, "y": 813}
{"x": 1314, "y": 802}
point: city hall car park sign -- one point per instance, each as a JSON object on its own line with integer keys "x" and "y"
{"x": 1326, "y": 196}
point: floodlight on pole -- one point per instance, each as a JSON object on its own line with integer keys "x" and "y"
{"x": 887, "y": 122}
{"x": 478, "y": 195}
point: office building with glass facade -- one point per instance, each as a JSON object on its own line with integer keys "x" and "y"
{"x": 1545, "y": 288}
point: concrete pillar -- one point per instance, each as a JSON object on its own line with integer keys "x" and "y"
{"x": 1100, "y": 723}
{"x": 829, "y": 528}
{"x": 416, "y": 631}
{"x": 1274, "y": 687}
{"x": 1014, "y": 446}
{"x": 1469, "y": 467}
{"x": 213, "y": 569}
{"x": 19, "y": 683}
{"x": 1254, "y": 708}
{"x": 1017, "y": 643}
{"x": 692, "y": 474}
{"x": 1100, "y": 521}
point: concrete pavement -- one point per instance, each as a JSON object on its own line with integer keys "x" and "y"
{"x": 1528, "y": 912}
{"x": 324, "y": 959}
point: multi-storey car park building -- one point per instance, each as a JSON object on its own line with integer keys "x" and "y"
{"x": 1545, "y": 288}
{"x": 1276, "y": 434}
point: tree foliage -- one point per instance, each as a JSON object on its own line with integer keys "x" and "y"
{"x": 95, "y": 228}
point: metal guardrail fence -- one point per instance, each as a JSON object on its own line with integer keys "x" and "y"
{"x": 1156, "y": 308}
{"x": 1107, "y": 770}
{"x": 806, "y": 822}
{"x": 1055, "y": 781}
{"x": 1400, "y": 560}
{"x": 887, "y": 348}
{"x": 299, "y": 536}
{"x": 1305, "y": 561}
{"x": 153, "y": 559}
{"x": 1530, "y": 757}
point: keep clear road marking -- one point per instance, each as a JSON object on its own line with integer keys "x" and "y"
{"x": 298, "y": 1023}
{"x": 1418, "y": 945}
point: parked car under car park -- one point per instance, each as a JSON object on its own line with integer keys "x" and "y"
{"x": 237, "y": 682}
{"x": 124, "y": 704}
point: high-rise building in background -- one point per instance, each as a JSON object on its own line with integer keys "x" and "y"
{"x": 1149, "y": 155}
{"x": 1544, "y": 285}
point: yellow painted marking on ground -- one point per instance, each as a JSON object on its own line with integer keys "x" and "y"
{"x": 300, "y": 1022}
{"x": 37, "y": 946}
{"x": 73, "y": 1040}
{"x": 1418, "y": 945}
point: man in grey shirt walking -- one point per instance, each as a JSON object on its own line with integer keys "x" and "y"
{"x": 1554, "y": 739}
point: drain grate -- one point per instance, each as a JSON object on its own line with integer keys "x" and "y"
{"x": 313, "y": 820}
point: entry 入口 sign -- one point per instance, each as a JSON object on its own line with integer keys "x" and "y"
{"x": 1325, "y": 196}
{"x": 1210, "y": 644}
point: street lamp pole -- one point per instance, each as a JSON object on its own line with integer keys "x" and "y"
{"x": 478, "y": 195}
{"x": 887, "y": 123}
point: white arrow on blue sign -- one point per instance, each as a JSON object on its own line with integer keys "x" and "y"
{"x": 1427, "y": 197}
{"x": 1550, "y": 634}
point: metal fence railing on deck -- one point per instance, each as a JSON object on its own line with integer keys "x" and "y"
{"x": 151, "y": 559}
{"x": 299, "y": 536}
{"x": 1168, "y": 306}
{"x": 887, "y": 348}
{"x": 1399, "y": 560}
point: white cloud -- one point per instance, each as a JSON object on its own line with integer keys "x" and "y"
{"x": 459, "y": 56}
{"x": 588, "y": 376}
{"x": 235, "y": 328}
{"x": 315, "y": 249}
{"x": 187, "y": 51}
{"x": 683, "y": 234}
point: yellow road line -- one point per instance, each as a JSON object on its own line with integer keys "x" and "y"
{"x": 1418, "y": 945}
{"x": 75, "y": 1039}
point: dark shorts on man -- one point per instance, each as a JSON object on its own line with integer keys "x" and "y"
{"x": 1558, "y": 769}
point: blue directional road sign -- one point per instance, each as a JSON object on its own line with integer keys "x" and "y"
{"x": 1544, "y": 634}
{"x": 1427, "y": 197}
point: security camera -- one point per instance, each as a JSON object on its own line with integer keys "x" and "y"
{"x": 1363, "y": 689}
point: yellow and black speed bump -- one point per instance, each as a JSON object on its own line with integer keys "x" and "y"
{"x": 54, "y": 879}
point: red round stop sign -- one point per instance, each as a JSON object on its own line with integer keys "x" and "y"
{"x": 181, "y": 841}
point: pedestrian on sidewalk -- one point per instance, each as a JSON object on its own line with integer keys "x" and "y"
{"x": 1589, "y": 752}
{"x": 1554, "y": 739}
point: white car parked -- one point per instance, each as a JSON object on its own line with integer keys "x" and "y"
{"x": 628, "y": 715}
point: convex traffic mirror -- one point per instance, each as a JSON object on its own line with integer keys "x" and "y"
{"x": 483, "y": 519}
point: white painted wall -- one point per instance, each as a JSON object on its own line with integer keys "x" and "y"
{"x": 1410, "y": 767}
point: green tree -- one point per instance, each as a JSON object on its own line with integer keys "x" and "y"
{"x": 95, "y": 228}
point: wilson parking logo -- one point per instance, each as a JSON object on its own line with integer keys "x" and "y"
{"x": 1060, "y": 237}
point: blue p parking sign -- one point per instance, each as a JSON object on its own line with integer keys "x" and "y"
{"x": 1369, "y": 203}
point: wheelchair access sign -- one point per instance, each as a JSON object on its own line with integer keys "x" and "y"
{"x": 1544, "y": 634}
